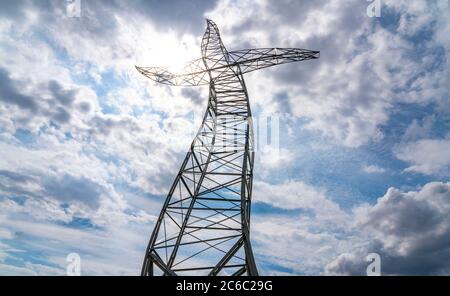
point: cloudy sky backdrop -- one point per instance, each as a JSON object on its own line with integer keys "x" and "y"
{"x": 89, "y": 148}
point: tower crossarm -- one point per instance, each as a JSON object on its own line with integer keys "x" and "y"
{"x": 194, "y": 72}
{"x": 258, "y": 58}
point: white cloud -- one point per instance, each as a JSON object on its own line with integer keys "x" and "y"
{"x": 274, "y": 158}
{"x": 101, "y": 251}
{"x": 302, "y": 244}
{"x": 373, "y": 169}
{"x": 426, "y": 156}
{"x": 297, "y": 195}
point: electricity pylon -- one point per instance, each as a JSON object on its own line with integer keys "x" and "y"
{"x": 204, "y": 226}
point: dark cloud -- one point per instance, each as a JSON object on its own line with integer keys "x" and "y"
{"x": 282, "y": 99}
{"x": 61, "y": 115}
{"x": 57, "y": 109}
{"x": 15, "y": 183}
{"x": 104, "y": 125}
{"x": 67, "y": 188}
{"x": 434, "y": 262}
{"x": 346, "y": 21}
{"x": 84, "y": 107}
{"x": 62, "y": 97}
{"x": 10, "y": 93}
{"x": 192, "y": 94}
{"x": 294, "y": 12}
{"x": 65, "y": 97}
{"x": 71, "y": 189}
{"x": 15, "y": 177}
{"x": 412, "y": 232}
{"x": 11, "y": 9}
{"x": 184, "y": 16}
{"x": 98, "y": 18}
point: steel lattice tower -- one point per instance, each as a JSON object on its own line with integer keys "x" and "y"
{"x": 204, "y": 226}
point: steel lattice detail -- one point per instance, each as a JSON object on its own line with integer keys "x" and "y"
{"x": 204, "y": 226}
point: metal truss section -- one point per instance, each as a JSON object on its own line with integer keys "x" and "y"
{"x": 195, "y": 73}
{"x": 204, "y": 225}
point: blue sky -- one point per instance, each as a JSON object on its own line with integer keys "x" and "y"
{"x": 89, "y": 147}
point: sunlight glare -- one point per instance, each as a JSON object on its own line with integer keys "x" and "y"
{"x": 171, "y": 51}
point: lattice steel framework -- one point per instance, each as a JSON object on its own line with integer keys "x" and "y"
{"x": 204, "y": 226}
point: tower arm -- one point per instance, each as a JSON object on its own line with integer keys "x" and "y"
{"x": 195, "y": 73}
{"x": 259, "y": 58}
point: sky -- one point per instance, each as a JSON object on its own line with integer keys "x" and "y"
{"x": 89, "y": 147}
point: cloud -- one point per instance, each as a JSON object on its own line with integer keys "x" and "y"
{"x": 10, "y": 94}
{"x": 305, "y": 231}
{"x": 297, "y": 244}
{"x": 30, "y": 102}
{"x": 29, "y": 269}
{"x": 12, "y": 9}
{"x": 69, "y": 189}
{"x": 181, "y": 15}
{"x": 40, "y": 209}
{"x": 411, "y": 232}
{"x": 341, "y": 103}
{"x": 426, "y": 156}
{"x": 271, "y": 157}
{"x": 65, "y": 97}
{"x": 373, "y": 169}
{"x": 101, "y": 252}
{"x": 419, "y": 129}
{"x": 296, "y": 195}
